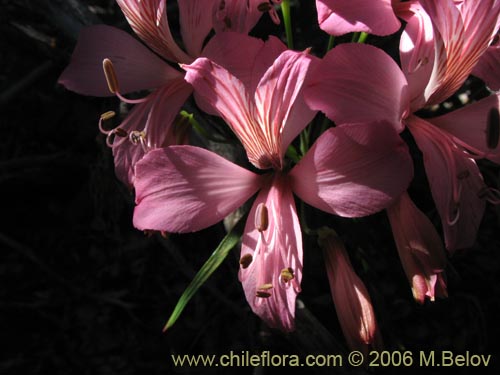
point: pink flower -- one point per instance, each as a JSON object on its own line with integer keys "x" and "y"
{"x": 185, "y": 188}
{"x": 351, "y": 298}
{"x": 131, "y": 67}
{"x": 338, "y": 17}
{"x": 441, "y": 45}
{"x": 420, "y": 249}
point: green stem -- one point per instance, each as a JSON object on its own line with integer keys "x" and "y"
{"x": 355, "y": 37}
{"x": 362, "y": 37}
{"x": 200, "y": 129}
{"x": 331, "y": 42}
{"x": 285, "y": 9}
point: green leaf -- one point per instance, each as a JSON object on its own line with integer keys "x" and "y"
{"x": 215, "y": 260}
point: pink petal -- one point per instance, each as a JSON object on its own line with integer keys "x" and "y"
{"x": 354, "y": 170}
{"x": 225, "y": 50}
{"x": 281, "y": 110}
{"x": 149, "y": 21}
{"x": 455, "y": 181}
{"x": 227, "y": 95}
{"x": 488, "y": 67}
{"x": 420, "y": 249}
{"x": 469, "y": 125}
{"x": 338, "y": 17}
{"x": 277, "y": 248}
{"x": 155, "y": 118}
{"x": 416, "y": 50}
{"x": 236, "y": 15}
{"x": 460, "y": 41}
{"x": 185, "y": 189}
{"x": 136, "y": 67}
{"x": 357, "y": 76}
{"x": 196, "y": 19}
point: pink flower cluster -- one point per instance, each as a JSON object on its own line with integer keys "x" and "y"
{"x": 268, "y": 94}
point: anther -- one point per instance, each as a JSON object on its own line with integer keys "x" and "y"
{"x": 493, "y": 128}
{"x": 261, "y": 218}
{"x": 136, "y": 136}
{"x": 107, "y": 115}
{"x": 246, "y": 260}
{"x": 262, "y": 294}
{"x": 110, "y": 73}
{"x": 463, "y": 174}
{"x": 120, "y": 132}
{"x": 164, "y": 234}
{"x": 264, "y": 7}
{"x": 287, "y": 274}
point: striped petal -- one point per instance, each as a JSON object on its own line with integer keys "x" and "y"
{"x": 470, "y": 127}
{"x": 463, "y": 32}
{"x": 149, "y": 21}
{"x": 455, "y": 181}
{"x": 271, "y": 260}
{"x": 196, "y": 19}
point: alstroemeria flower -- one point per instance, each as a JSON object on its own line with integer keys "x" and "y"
{"x": 440, "y": 46}
{"x": 338, "y": 17}
{"x": 350, "y": 296}
{"x": 131, "y": 67}
{"x": 420, "y": 249}
{"x": 184, "y": 188}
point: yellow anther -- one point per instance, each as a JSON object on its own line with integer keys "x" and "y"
{"x": 110, "y": 74}
{"x": 246, "y": 260}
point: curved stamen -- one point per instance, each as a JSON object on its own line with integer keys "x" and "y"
{"x": 454, "y": 214}
{"x": 113, "y": 83}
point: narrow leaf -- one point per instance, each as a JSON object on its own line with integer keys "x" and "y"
{"x": 215, "y": 260}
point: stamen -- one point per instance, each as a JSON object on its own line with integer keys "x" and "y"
{"x": 227, "y": 22}
{"x": 110, "y": 73}
{"x": 246, "y": 260}
{"x": 455, "y": 214}
{"x": 107, "y": 115}
{"x": 464, "y": 174}
{"x": 493, "y": 128}
{"x": 261, "y": 218}
{"x": 287, "y": 274}
{"x": 104, "y": 117}
{"x": 164, "y": 234}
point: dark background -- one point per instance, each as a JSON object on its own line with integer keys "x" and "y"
{"x": 83, "y": 292}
